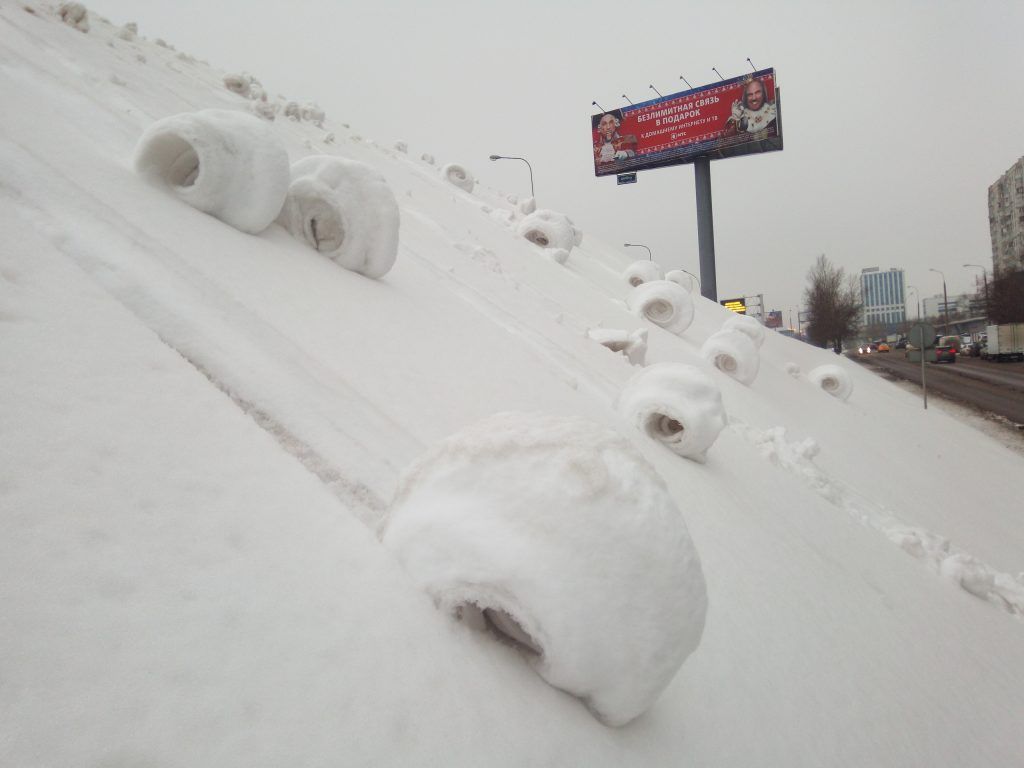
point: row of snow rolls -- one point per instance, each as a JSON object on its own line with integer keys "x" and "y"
{"x": 234, "y": 167}
{"x": 551, "y": 231}
{"x": 675, "y": 404}
{"x": 664, "y": 299}
{"x": 559, "y": 539}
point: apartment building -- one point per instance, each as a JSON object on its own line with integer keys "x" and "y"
{"x": 1006, "y": 221}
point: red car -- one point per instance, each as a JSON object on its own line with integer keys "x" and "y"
{"x": 946, "y": 348}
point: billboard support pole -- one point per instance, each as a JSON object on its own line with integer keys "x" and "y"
{"x": 705, "y": 228}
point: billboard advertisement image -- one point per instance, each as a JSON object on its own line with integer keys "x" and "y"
{"x": 734, "y": 117}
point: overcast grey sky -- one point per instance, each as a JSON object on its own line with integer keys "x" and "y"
{"x": 897, "y": 115}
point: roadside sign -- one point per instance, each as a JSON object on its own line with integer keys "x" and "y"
{"x": 922, "y": 336}
{"x": 626, "y": 178}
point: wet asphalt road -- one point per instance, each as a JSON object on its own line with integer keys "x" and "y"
{"x": 992, "y": 387}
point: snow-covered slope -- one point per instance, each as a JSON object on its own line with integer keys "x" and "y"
{"x": 201, "y": 431}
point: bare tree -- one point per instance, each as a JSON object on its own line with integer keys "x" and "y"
{"x": 833, "y": 304}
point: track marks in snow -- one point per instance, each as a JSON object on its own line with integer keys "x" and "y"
{"x": 937, "y": 552}
{"x": 310, "y": 411}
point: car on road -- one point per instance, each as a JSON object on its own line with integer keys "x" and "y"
{"x": 901, "y": 344}
{"x": 946, "y": 349}
{"x": 883, "y": 347}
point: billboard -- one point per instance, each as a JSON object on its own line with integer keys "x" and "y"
{"x": 774, "y": 319}
{"x": 734, "y": 117}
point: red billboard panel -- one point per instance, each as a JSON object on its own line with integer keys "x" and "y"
{"x": 734, "y": 117}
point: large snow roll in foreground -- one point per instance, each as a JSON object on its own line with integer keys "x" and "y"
{"x": 733, "y": 353}
{"x": 548, "y": 229}
{"x": 677, "y": 405}
{"x": 228, "y": 164}
{"x": 642, "y": 272}
{"x": 746, "y": 325}
{"x": 459, "y": 176}
{"x": 559, "y": 538}
{"x": 345, "y": 210}
{"x": 663, "y": 303}
{"x": 833, "y": 380}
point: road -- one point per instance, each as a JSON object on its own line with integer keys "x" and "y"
{"x": 989, "y": 386}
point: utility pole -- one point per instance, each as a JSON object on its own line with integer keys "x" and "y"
{"x": 945, "y": 298}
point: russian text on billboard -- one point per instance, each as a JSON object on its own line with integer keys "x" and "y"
{"x": 734, "y": 117}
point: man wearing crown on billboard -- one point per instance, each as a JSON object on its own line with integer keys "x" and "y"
{"x": 753, "y": 112}
{"x": 610, "y": 145}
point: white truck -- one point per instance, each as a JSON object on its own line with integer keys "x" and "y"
{"x": 1005, "y": 342}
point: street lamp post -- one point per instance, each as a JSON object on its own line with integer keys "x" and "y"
{"x": 918, "y": 294}
{"x": 984, "y": 276}
{"x": 945, "y": 298}
{"x": 510, "y": 157}
{"x": 650, "y": 255}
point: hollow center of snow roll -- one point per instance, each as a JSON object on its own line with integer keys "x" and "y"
{"x": 176, "y": 160}
{"x": 635, "y": 281}
{"x": 660, "y": 310}
{"x": 538, "y": 238}
{"x": 508, "y": 628}
{"x": 830, "y": 384}
{"x": 323, "y": 228}
{"x": 500, "y": 624}
{"x": 725, "y": 363}
{"x": 662, "y": 427}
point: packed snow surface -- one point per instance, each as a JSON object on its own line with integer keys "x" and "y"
{"x": 203, "y": 429}
{"x": 563, "y": 530}
{"x": 632, "y": 344}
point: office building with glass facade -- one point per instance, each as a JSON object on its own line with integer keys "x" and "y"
{"x": 883, "y": 295}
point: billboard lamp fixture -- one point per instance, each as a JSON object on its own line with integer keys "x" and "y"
{"x": 715, "y": 70}
{"x": 599, "y": 106}
{"x": 627, "y": 99}
{"x": 751, "y": 64}
{"x": 655, "y": 90}
{"x": 686, "y": 81}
